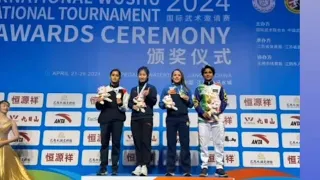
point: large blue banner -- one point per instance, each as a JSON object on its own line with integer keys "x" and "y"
{"x": 55, "y": 53}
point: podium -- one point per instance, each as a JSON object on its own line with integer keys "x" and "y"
{"x": 152, "y": 178}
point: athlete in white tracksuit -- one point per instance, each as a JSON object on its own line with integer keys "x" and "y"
{"x": 208, "y": 96}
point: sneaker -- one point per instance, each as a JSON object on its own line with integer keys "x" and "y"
{"x": 137, "y": 171}
{"x": 114, "y": 173}
{"x": 144, "y": 171}
{"x": 187, "y": 174}
{"x": 221, "y": 173}
{"x": 169, "y": 174}
{"x": 204, "y": 172}
{"x": 102, "y": 172}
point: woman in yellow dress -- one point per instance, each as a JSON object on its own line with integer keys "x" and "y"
{"x": 11, "y": 167}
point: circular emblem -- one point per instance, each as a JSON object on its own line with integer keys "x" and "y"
{"x": 293, "y": 6}
{"x": 264, "y": 6}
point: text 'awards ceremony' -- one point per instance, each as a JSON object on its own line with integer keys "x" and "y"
{"x": 151, "y": 90}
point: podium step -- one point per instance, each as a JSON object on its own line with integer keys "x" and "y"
{"x": 149, "y": 178}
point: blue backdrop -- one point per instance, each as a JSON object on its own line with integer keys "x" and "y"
{"x": 70, "y": 47}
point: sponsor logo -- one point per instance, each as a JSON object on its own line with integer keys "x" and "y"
{"x": 291, "y": 140}
{"x": 260, "y": 139}
{"x": 291, "y": 159}
{"x": 61, "y": 138}
{"x": 258, "y": 102}
{"x": 230, "y": 139}
{"x": 67, "y": 100}
{"x": 128, "y": 138}
{"x": 261, "y": 159}
{"x": 230, "y": 120}
{"x": 289, "y": 102}
{"x": 293, "y": 6}
{"x": 93, "y": 138}
{"x": 290, "y": 121}
{"x": 59, "y": 157}
{"x": 27, "y": 138}
{"x": 65, "y": 119}
{"x": 129, "y": 158}
{"x": 23, "y": 136}
{"x": 26, "y": 118}
{"x": 92, "y": 158}
{"x": 91, "y": 100}
{"x": 231, "y": 159}
{"x": 91, "y": 119}
{"x": 261, "y": 120}
{"x": 264, "y": 6}
{"x": 26, "y": 100}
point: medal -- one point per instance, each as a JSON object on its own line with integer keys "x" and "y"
{"x": 140, "y": 93}
{"x": 172, "y": 88}
{"x": 116, "y": 90}
{"x": 182, "y": 92}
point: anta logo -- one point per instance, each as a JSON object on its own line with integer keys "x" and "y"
{"x": 23, "y": 135}
{"x": 259, "y": 139}
{"x": 63, "y": 118}
{"x": 296, "y": 121}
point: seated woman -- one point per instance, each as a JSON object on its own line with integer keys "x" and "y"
{"x": 11, "y": 168}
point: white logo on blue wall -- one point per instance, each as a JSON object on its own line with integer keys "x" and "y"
{"x": 264, "y": 6}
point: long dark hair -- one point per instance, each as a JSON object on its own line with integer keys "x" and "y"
{"x": 115, "y": 83}
{"x": 5, "y": 101}
{"x": 183, "y": 81}
{"x": 146, "y": 70}
{"x": 116, "y": 70}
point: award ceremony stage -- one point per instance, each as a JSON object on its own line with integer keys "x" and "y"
{"x": 55, "y": 54}
{"x": 151, "y": 178}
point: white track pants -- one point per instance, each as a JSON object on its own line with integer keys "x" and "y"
{"x": 214, "y": 132}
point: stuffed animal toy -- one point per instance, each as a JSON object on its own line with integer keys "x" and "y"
{"x": 213, "y": 105}
{"x": 103, "y": 92}
{"x": 168, "y": 101}
{"x": 139, "y": 102}
{"x": 214, "y": 110}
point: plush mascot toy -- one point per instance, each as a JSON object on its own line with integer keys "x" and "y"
{"x": 168, "y": 101}
{"x": 103, "y": 92}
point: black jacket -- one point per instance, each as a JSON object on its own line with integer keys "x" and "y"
{"x": 150, "y": 100}
{"x": 111, "y": 111}
{"x": 182, "y": 105}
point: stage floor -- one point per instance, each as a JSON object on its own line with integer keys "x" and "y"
{"x": 150, "y": 178}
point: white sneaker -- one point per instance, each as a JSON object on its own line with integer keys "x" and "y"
{"x": 144, "y": 170}
{"x": 137, "y": 171}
